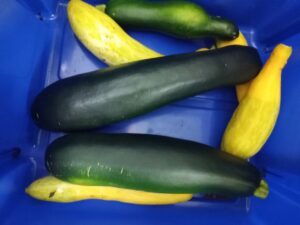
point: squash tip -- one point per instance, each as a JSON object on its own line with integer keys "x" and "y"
{"x": 282, "y": 52}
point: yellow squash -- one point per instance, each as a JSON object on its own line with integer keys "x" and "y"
{"x": 202, "y": 49}
{"x": 52, "y": 189}
{"x": 241, "y": 89}
{"x": 104, "y": 37}
{"x": 256, "y": 115}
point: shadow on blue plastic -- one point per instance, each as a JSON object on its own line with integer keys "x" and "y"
{"x": 36, "y": 51}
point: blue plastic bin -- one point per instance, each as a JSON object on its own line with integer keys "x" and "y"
{"x": 37, "y": 47}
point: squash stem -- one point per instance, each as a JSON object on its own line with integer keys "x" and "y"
{"x": 263, "y": 190}
{"x": 101, "y": 7}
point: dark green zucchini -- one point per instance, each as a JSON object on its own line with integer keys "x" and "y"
{"x": 117, "y": 93}
{"x": 179, "y": 18}
{"x": 150, "y": 163}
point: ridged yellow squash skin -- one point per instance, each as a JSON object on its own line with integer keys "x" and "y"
{"x": 256, "y": 115}
{"x": 104, "y": 37}
{"x": 52, "y": 189}
{"x": 241, "y": 89}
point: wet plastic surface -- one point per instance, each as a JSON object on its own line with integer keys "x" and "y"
{"x": 38, "y": 47}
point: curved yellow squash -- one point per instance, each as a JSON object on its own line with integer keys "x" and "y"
{"x": 256, "y": 115}
{"x": 52, "y": 189}
{"x": 104, "y": 37}
{"x": 241, "y": 90}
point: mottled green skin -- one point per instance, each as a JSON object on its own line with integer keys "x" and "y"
{"x": 181, "y": 19}
{"x": 150, "y": 163}
{"x": 114, "y": 94}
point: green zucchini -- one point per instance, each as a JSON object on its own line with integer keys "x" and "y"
{"x": 117, "y": 93}
{"x": 179, "y": 18}
{"x": 149, "y": 163}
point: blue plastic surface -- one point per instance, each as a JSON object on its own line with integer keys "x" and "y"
{"x": 37, "y": 47}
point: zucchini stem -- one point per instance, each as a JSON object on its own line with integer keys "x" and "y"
{"x": 263, "y": 190}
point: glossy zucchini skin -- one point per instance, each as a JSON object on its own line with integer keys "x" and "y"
{"x": 114, "y": 94}
{"x": 182, "y": 19}
{"x": 149, "y": 163}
